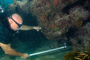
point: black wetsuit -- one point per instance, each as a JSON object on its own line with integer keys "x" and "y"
{"x": 5, "y": 33}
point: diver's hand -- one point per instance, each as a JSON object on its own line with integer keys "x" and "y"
{"x": 24, "y": 55}
{"x": 37, "y": 28}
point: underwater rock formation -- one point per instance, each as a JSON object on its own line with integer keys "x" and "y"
{"x": 81, "y": 37}
{"x": 53, "y": 19}
{"x": 17, "y": 6}
{"x": 61, "y": 19}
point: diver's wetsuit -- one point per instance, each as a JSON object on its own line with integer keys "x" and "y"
{"x": 5, "y": 35}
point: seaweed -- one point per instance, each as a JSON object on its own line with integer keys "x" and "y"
{"x": 71, "y": 55}
{"x": 78, "y": 55}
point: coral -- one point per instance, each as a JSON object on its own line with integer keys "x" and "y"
{"x": 78, "y": 23}
{"x": 58, "y": 18}
{"x": 35, "y": 1}
{"x": 52, "y": 26}
{"x": 81, "y": 37}
{"x": 21, "y": 3}
{"x": 56, "y": 29}
{"x": 79, "y": 12}
{"x": 55, "y": 22}
{"x": 44, "y": 17}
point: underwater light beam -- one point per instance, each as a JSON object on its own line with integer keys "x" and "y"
{"x": 47, "y": 51}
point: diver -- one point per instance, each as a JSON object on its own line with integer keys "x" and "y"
{"x": 16, "y": 23}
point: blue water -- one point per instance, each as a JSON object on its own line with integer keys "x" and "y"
{"x": 4, "y": 3}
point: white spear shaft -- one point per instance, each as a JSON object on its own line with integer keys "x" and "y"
{"x": 47, "y": 51}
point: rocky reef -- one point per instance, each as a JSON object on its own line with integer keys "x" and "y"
{"x": 67, "y": 20}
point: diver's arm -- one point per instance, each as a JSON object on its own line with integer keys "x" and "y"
{"x": 10, "y": 51}
{"x": 25, "y": 27}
